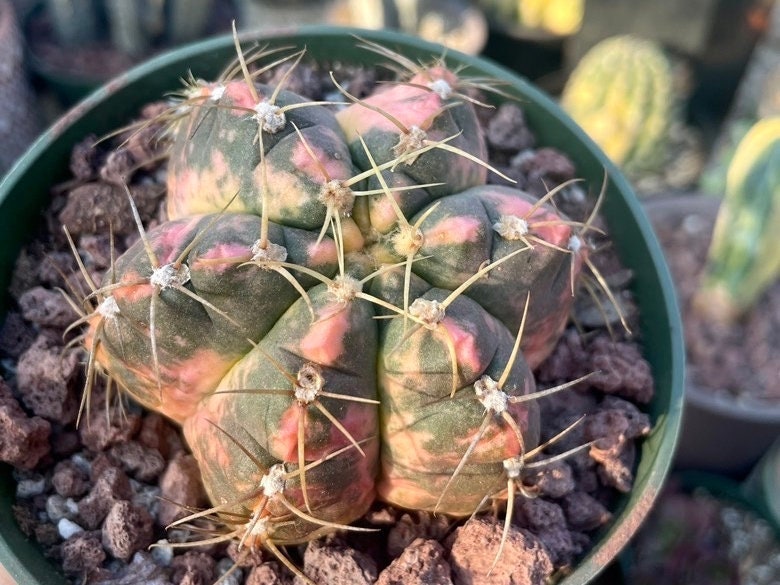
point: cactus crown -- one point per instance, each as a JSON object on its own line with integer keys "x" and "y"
{"x": 339, "y": 307}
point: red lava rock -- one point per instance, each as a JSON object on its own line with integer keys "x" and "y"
{"x": 423, "y": 561}
{"x": 547, "y": 522}
{"x": 92, "y": 207}
{"x": 69, "y": 480}
{"x": 414, "y": 525}
{"x": 180, "y": 486}
{"x": 47, "y": 308}
{"x": 45, "y": 375}
{"x": 329, "y": 561}
{"x": 620, "y": 369}
{"x": 268, "y": 574}
{"x": 507, "y": 129}
{"x": 583, "y": 511}
{"x": 102, "y": 430}
{"x": 523, "y": 561}
{"x": 553, "y": 480}
{"x": 82, "y": 553}
{"x": 127, "y": 529}
{"x": 193, "y": 568}
{"x": 545, "y": 169}
{"x": 24, "y": 440}
{"x": 16, "y": 335}
{"x": 140, "y": 462}
{"x": 112, "y": 485}
{"x": 157, "y": 433}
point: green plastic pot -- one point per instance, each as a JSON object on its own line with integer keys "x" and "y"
{"x": 25, "y": 191}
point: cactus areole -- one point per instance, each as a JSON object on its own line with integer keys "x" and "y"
{"x": 339, "y": 307}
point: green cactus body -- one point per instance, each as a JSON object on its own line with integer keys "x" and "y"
{"x": 290, "y": 375}
{"x": 276, "y": 388}
{"x": 424, "y": 107}
{"x": 622, "y": 94}
{"x": 426, "y": 429}
{"x": 214, "y": 157}
{"x": 742, "y": 259}
{"x": 195, "y": 343}
{"x": 491, "y": 222}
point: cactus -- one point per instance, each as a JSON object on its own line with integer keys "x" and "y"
{"x": 133, "y": 27}
{"x": 551, "y": 17}
{"x": 623, "y": 95}
{"x": 741, "y": 261}
{"x": 338, "y": 307}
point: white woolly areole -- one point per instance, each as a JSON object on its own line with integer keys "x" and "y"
{"x": 170, "y": 276}
{"x": 338, "y": 196}
{"x": 273, "y": 481}
{"x": 409, "y": 142}
{"x": 309, "y": 383}
{"x": 259, "y": 527}
{"x": 270, "y": 117}
{"x": 575, "y": 243}
{"x": 511, "y": 227}
{"x": 217, "y": 92}
{"x": 109, "y": 308}
{"x": 441, "y": 88}
{"x": 408, "y": 240}
{"x": 490, "y": 395}
{"x": 344, "y": 288}
{"x": 429, "y": 312}
{"x": 513, "y": 466}
{"x": 271, "y": 253}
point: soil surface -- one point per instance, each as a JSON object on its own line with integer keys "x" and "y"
{"x": 97, "y": 495}
{"x": 742, "y": 360}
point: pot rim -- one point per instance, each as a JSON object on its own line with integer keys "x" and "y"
{"x": 653, "y": 285}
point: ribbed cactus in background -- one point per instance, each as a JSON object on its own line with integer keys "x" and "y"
{"x": 338, "y": 305}
{"x": 552, "y": 17}
{"x": 622, "y": 93}
{"x": 133, "y": 26}
{"x": 743, "y": 260}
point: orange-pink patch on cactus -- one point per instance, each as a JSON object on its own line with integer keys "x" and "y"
{"x": 454, "y": 231}
{"x": 324, "y": 342}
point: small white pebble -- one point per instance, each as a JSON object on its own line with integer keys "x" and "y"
{"x": 82, "y": 463}
{"x": 68, "y": 528}
{"x": 28, "y": 488}
{"x": 56, "y": 508}
{"x": 162, "y": 553}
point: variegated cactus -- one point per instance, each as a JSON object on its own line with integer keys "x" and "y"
{"x": 339, "y": 306}
{"x": 741, "y": 261}
{"x": 623, "y": 95}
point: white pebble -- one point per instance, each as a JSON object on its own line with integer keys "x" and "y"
{"x": 27, "y": 488}
{"x": 162, "y": 553}
{"x": 68, "y": 528}
{"x": 56, "y": 508}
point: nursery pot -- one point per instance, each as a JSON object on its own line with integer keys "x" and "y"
{"x": 25, "y": 191}
{"x": 720, "y": 433}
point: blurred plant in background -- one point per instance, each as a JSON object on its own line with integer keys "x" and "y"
{"x": 558, "y": 18}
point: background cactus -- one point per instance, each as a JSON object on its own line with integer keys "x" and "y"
{"x": 337, "y": 302}
{"x": 133, "y": 27}
{"x": 741, "y": 260}
{"x": 623, "y": 95}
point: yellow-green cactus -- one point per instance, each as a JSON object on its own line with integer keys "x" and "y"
{"x": 623, "y": 95}
{"x": 743, "y": 257}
